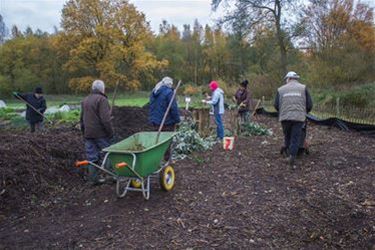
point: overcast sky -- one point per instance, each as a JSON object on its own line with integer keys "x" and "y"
{"x": 44, "y": 14}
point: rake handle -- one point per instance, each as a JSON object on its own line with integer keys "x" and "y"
{"x": 31, "y": 106}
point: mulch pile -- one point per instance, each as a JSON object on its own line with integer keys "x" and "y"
{"x": 130, "y": 120}
{"x": 35, "y": 167}
{"x": 246, "y": 198}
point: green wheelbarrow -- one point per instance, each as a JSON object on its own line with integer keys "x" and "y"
{"x": 134, "y": 161}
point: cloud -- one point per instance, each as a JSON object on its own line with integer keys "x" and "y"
{"x": 45, "y": 14}
{"x": 175, "y": 12}
{"x": 42, "y": 14}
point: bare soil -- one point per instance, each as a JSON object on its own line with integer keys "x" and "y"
{"x": 245, "y": 198}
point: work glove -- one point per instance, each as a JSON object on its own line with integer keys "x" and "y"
{"x": 204, "y": 101}
{"x": 15, "y": 94}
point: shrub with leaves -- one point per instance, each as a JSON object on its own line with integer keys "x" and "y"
{"x": 65, "y": 117}
{"x": 7, "y": 114}
{"x": 252, "y": 128}
{"x": 188, "y": 140}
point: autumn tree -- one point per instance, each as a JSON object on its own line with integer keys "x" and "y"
{"x": 106, "y": 39}
{"x": 342, "y": 41}
{"x": 28, "y": 61}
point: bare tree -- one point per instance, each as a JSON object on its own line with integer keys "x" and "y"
{"x": 3, "y": 30}
{"x": 280, "y": 15}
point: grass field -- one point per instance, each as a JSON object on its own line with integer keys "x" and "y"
{"x": 132, "y": 99}
{"x": 139, "y": 99}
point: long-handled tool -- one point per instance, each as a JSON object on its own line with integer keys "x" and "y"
{"x": 31, "y": 106}
{"x": 114, "y": 95}
{"x": 255, "y": 109}
{"x": 167, "y": 111}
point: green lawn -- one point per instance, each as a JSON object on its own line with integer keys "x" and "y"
{"x": 134, "y": 100}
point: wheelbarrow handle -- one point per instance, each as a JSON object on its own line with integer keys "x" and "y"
{"x": 86, "y": 162}
{"x": 81, "y": 163}
{"x": 121, "y": 165}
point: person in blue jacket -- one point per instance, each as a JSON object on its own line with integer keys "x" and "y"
{"x": 160, "y": 97}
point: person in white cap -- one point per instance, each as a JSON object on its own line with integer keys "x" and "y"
{"x": 293, "y": 102}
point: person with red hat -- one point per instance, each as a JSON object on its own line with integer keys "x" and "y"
{"x": 217, "y": 102}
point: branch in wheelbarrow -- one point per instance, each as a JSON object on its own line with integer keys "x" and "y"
{"x": 167, "y": 111}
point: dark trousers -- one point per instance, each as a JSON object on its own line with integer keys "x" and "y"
{"x": 94, "y": 153}
{"x": 36, "y": 126}
{"x": 292, "y": 132}
{"x": 244, "y": 116}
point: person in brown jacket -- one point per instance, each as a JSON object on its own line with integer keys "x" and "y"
{"x": 243, "y": 101}
{"x": 96, "y": 126}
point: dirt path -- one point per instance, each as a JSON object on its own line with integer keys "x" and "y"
{"x": 247, "y": 198}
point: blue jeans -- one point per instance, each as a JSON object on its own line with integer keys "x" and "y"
{"x": 220, "y": 126}
{"x": 292, "y": 135}
{"x": 94, "y": 153}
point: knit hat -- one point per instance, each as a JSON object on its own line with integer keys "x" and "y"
{"x": 213, "y": 85}
{"x": 38, "y": 90}
{"x": 245, "y": 83}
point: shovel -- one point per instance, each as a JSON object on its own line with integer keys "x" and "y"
{"x": 31, "y": 106}
{"x": 167, "y": 111}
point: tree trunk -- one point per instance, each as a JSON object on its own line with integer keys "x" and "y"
{"x": 280, "y": 38}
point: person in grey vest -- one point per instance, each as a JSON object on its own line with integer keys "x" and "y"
{"x": 293, "y": 102}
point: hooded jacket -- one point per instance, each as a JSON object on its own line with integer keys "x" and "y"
{"x": 96, "y": 116}
{"x": 217, "y": 101}
{"x": 159, "y": 101}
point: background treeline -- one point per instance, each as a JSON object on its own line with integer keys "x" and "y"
{"x": 330, "y": 43}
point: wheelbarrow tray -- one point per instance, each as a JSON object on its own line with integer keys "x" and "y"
{"x": 140, "y": 152}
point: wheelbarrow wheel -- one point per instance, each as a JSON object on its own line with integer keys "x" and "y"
{"x": 135, "y": 183}
{"x": 167, "y": 178}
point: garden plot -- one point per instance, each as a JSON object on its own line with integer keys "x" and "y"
{"x": 245, "y": 198}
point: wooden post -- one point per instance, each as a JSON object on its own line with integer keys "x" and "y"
{"x": 114, "y": 96}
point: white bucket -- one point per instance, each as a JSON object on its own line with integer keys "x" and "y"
{"x": 228, "y": 143}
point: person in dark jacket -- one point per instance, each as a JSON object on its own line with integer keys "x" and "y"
{"x": 293, "y": 102}
{"x": 37, "y": 101}
{"x": 160, "y": 98}
{"x": 243, "y": 101}
{"x": 96, "y": 126}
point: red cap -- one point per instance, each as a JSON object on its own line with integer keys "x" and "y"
{"x": 214, "y": 85}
